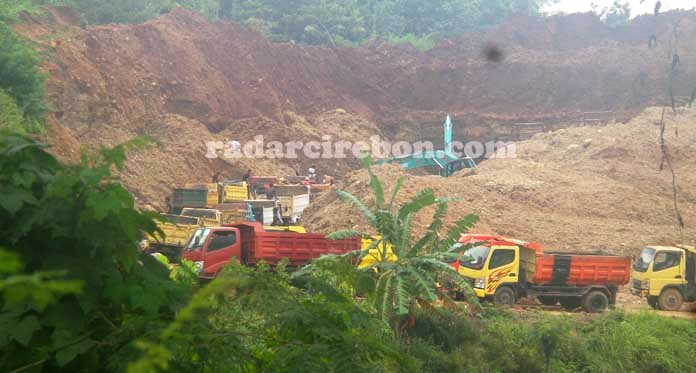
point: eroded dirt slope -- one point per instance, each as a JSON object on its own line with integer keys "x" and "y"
{"x": 582, "y": 188}
{"x": 185, "y": 81}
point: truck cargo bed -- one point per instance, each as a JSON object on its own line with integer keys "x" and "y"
{"x": 578, "y": 269}
{"x": 271, "y": 247}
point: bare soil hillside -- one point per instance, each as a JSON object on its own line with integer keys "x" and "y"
{"x": 185, "y": 80}
{"x": 590, "y": 188}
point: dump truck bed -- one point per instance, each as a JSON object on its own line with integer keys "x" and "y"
{"x": 176, "y": 231}
{"x": 575, "y": 269}
{"x": 271, "y": 247}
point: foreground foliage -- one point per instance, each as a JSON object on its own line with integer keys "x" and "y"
{"x": 405, "y": 270}
{"x": 614, "y": 343}
{"x": 77, "y": 292}
{"x": 255, "y": 320}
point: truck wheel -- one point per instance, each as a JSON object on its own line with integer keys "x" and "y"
{"x": 652, "y": 302}
{"x": 548, "y": 301}
{"x": 595, "y": 302}
{"x": 504, "y": 296}
{"x": 670, "y": 300}
{"x": 570, "y": 304}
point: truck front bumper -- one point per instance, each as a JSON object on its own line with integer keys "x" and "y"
{"x": 480, "y": 293}
{"x": 643, "y": 293}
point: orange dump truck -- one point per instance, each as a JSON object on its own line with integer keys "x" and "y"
{"x": 211, "y": 249}
{"x": 505, "y": 270}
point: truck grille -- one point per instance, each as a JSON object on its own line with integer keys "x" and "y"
{"x": 637, "y": 284}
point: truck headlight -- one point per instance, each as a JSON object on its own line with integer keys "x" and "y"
{"x": 480, "y": 283}
{"x": 198, "y": 266}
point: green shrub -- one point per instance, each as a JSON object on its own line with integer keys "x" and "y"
{"x": 641, "y": 343}
{"x": 21, "y": 79}
{"x": 447, "y": 330}
{"x": 10, "y": 9}
{"x": 11, "y": 117}
{"x": 254, "y": 320}
{"x": 422, "y": 43}
{"x": 616, "y": 342}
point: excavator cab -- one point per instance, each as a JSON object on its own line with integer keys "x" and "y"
{"x": 457, "y": 165}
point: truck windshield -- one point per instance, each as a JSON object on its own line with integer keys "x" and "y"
{"x": 643, "y": 261}
{"x": 478, "y": 255}
{"x": 198, "y": 239}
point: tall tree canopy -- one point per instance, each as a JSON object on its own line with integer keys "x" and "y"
{"x": 323, "y": 22}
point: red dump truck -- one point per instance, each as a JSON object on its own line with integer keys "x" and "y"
{"x": 249, "y": 243}
{"x": 505, "y": 270}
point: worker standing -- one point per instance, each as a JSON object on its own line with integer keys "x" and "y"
{"x": 170, "y": 205}
{"x": 247, "y": 176}
{"x": 312, "y": 173}
{"x": 298, "y": 168}
{"x": 216, "y": 177}
{"x": 271, "y": 193}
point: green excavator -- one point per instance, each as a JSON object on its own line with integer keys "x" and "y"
{"x": 443, "y": 162}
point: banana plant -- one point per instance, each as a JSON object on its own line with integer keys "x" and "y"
{"x": 406, "y": 270}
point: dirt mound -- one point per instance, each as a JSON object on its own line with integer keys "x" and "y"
{"x": 220, "y": 73}
{"x": 187, "y": 81}
{"x": 581, "y": 188}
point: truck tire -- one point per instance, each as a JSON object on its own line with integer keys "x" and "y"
{"x": 595, "y": 302}
{"x": 570, "y": 304}
{"x": 504, "y": 296}
{"x": 547, "y": 301}
{"x": 652, "y": 302}
{"x": 670, "y": 300}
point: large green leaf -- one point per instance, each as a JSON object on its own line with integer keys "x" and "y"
{"x": 387, "y": 302}
{"x": 341, "y": 235}
{"x": 25, "y": 329}
{"x": 423, "y": 199}
{"x": 460, "y": 227}
{"x": 403, "y": 246}
{"x": 424, "y": 283}
{"x": 395, "y": 192}
{"x": 364, "y": 210}
{"x": 377, "y": 188}
{"x": 402, "y": 296}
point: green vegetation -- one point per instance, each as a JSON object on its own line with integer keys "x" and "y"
{"x": 404, "y": 271}
{"x": 22, "y": 97}
{"x": 10, "y": 9}
{"x": 320, "y": 22}
{"x": 423, "y": 43}
{"x": 613, "y": 343}
{"x": 619, "y": 14}
{"x": 78, "y": 294}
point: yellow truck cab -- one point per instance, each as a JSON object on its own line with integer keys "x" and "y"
{"x": 665, "y": 276}
{"x": 489, "y": 272}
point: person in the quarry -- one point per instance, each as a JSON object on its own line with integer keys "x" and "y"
{"x": 312, "y": 173}
{"x": 216, "y": 177}
{"x": 271, "y": 192}
{"x": 298, "y": 168}
{"x": 247, "y": 176}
